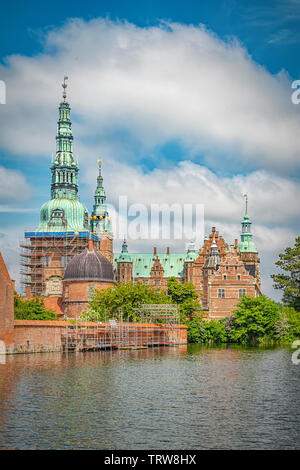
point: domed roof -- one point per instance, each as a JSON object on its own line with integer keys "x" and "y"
{"x": 89, "y": 266}
{"x": 62, "y": 214}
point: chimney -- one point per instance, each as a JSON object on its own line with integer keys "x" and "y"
{"x": 154, "y": 250}
{"x": 91, "y": 245}
{"x": 235, "y": 243}
{"x": 13, "y": 284}
{"x": 168, "y": 250}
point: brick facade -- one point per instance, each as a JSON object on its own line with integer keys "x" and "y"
{"x": 6, "y": 307}
{"x": 219, "y": 289}
{"x": 76, "y": 295}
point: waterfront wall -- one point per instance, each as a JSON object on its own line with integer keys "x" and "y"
{"x": 41, "y": 336}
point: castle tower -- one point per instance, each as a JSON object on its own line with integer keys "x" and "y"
{"x": 246, "y": 248}
{"x": 189, "y": 262}
{"x": 100, "y": 220}
{"x": 63, "y": 231}
{"x": 124, "y": 265}
{"x": 64, "y": 212}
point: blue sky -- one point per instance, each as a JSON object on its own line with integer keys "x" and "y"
{"x": 193, "y": 93}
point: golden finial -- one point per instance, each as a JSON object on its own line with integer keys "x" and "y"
{"x": 64, "y": 85}
{"x": 99, "y": 165}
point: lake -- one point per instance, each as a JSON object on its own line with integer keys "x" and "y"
{"x": 192, "y": 397}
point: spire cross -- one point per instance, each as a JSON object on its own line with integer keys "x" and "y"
{"x": 246, "y": 201}
{"x": 64, "y": 85}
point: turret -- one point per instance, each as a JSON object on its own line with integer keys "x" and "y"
{"x": 246, "y": 244}
{"x": 100, "y": 220}
{"x": 124, "y": 264}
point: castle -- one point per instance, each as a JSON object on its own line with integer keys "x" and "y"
{"x": 70, "y": 252}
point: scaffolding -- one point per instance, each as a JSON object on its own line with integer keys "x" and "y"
{"x": 167, "y": 316}
{"x": 47, "y": 253}
{"x": 158, "y": 326}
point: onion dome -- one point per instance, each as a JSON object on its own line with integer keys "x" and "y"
{"x": 62, "y": 214}
{"x": 89, "y": 266}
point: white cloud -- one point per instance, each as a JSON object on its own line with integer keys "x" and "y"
{"x": 272, "y": 199}
{"x": 160, "y": 83}
{"x": 13, "y": 186}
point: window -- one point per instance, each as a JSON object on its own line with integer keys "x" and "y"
{"x": 224, "y": 277}
{"x": 235, "y": 268}
{"x": 221, "y": 293}
{"x": 238, "y": 277}
{"x": 157, "y": 282}
{"x": 242, "y": 292}
{"x": 227, "y": 268}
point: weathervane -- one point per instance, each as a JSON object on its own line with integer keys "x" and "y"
{"x": 64, "y": 85}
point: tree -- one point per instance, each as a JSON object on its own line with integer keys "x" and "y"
{"x": 127, "y": 296}
{"x": 184, "y": 295}
{"x": 254, "y": 319}
{"x": 33, "y": 309}
{"x": 212, "y": 331}
{"x": 288, "y": 326}
{"x": 289, "y": 281}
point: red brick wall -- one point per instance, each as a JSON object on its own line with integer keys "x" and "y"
{"x": 124, "y": 271}
{"x": 34, "y": 335}
{"x": 6, "y": 306}
{"x": 237, "y": 277}
{"x": 39, "y": 336}
{"x": 106, "y": 247}
{"x": 76, "y": 295}
{"x": 53, "y": 303}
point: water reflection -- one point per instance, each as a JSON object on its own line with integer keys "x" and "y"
{"x": 170, "y": 398}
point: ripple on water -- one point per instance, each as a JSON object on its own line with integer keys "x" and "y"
{"x": 164, "y": 398}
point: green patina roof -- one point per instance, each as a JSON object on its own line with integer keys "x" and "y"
{"x": 173, "y": 264}
{"x": 71, "y": 215}
{"x": 247, "y": 246}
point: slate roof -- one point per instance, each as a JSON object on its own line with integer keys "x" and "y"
{"x": 89, "y": 266}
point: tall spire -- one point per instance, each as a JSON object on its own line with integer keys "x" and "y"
{"x": 64, "y": 167}
{"x": 246, "y": 243}
{"x": 100, "y": 220}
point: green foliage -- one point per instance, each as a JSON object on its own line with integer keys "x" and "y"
{"x": 287, "y": 327}
{"x": 33, "y": 309}
{"x": 127, "y": 296}
{"x": 212, "y": 331}
{"x": 185, "y": 295}
{"x": 289, "y": 280}
{"x": 254, "y": 319}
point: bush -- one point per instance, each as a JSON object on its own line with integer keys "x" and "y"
{"x": 33, "y": 309}
{"x": 212, "y": 331}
